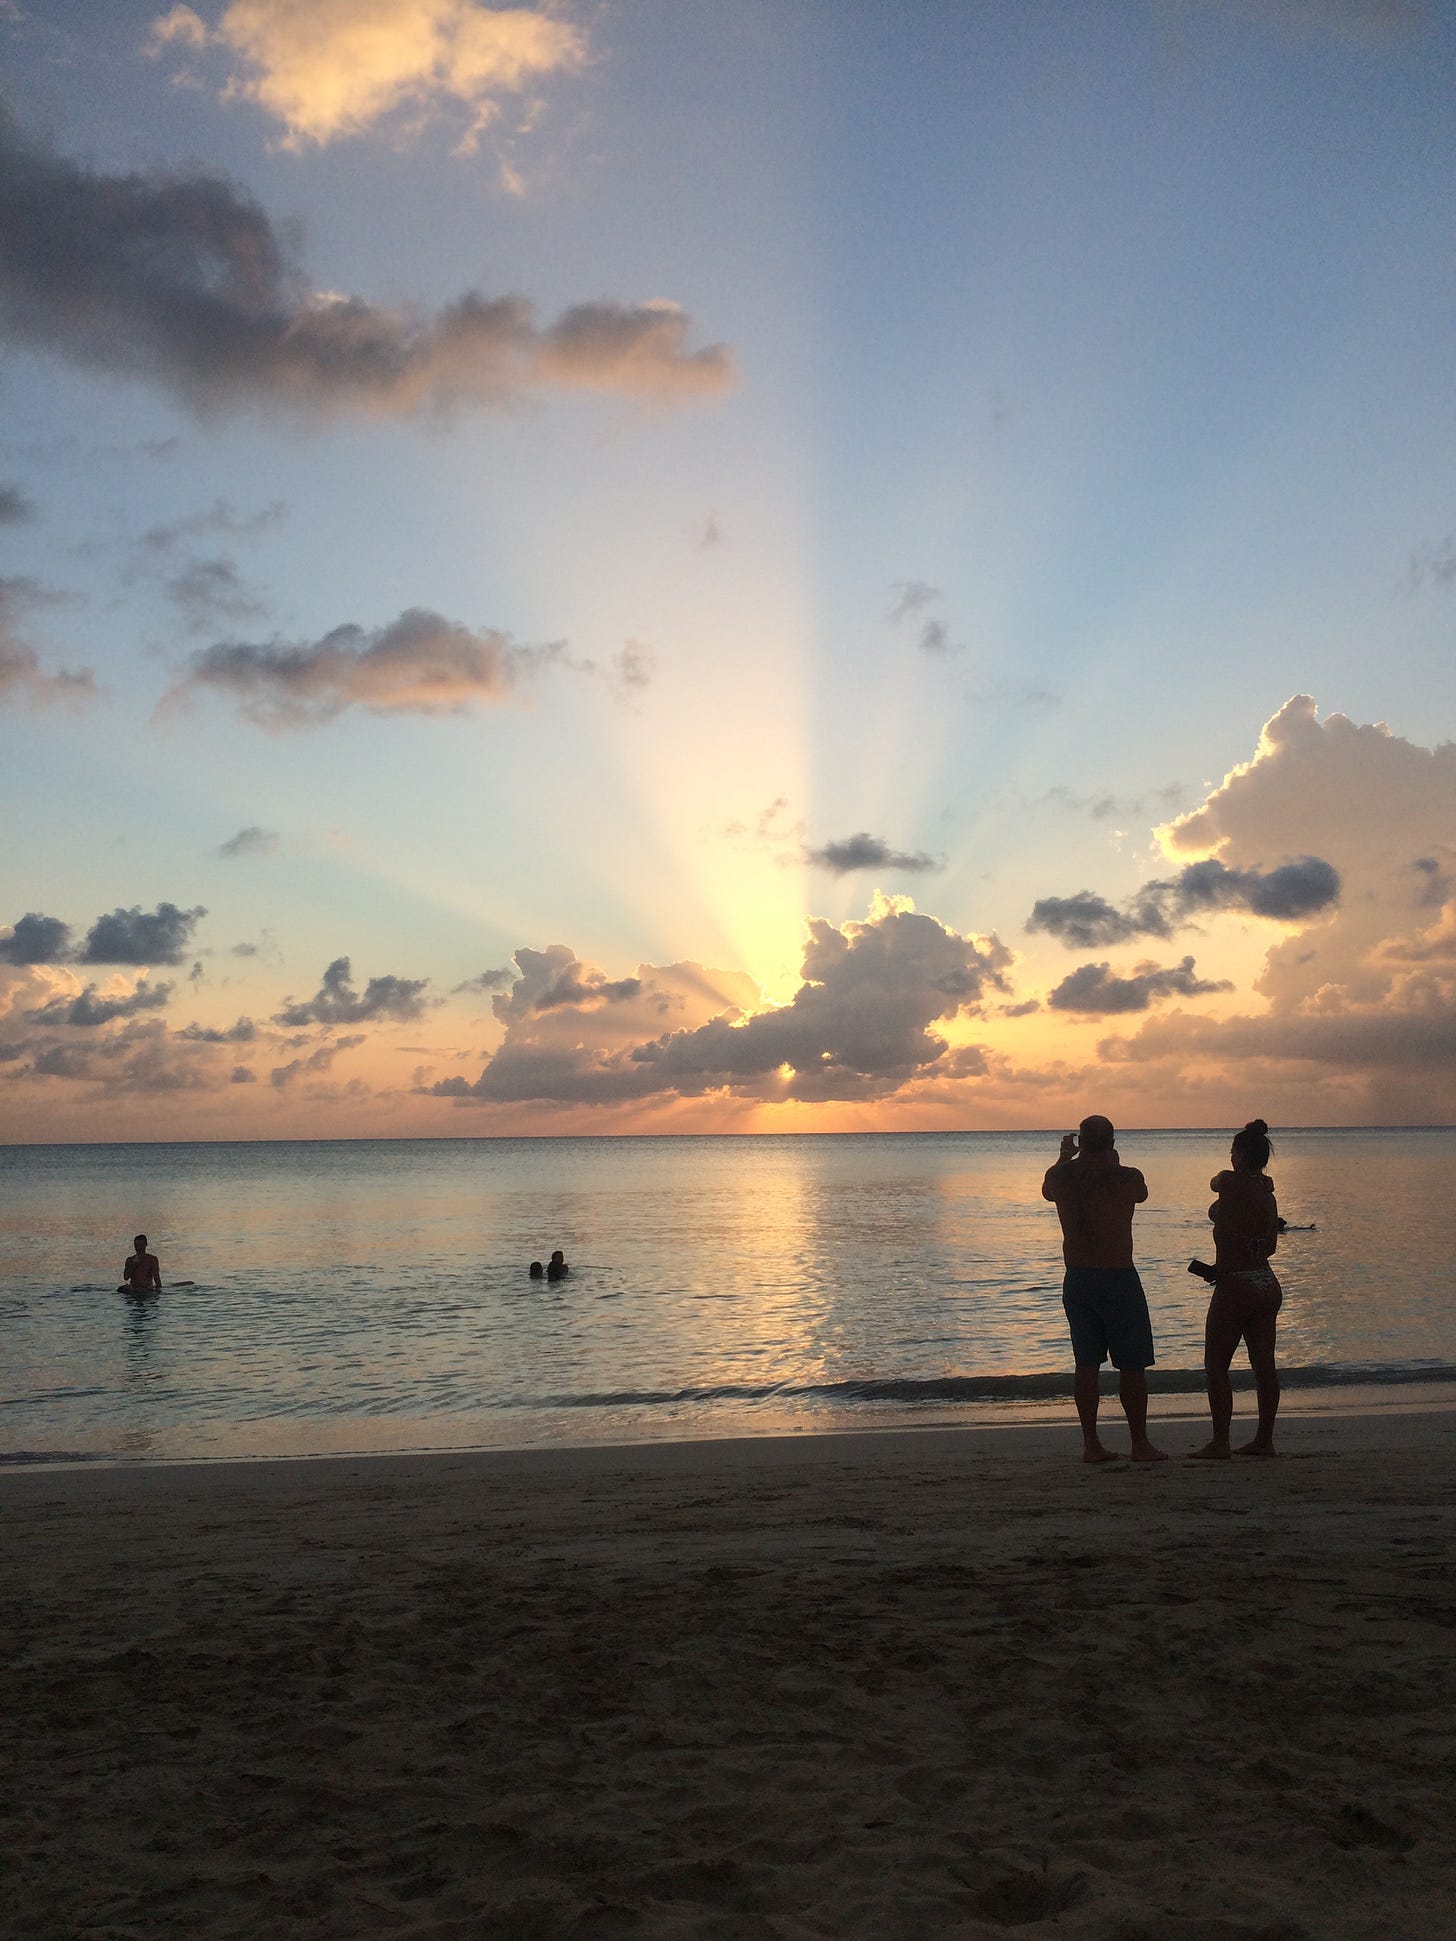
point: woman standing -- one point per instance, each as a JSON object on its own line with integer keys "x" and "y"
{"x": 1246, "y": 1296}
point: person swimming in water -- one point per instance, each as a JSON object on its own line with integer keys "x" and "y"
{"x": 556, "y": 1267}
{"x": 538, "y": 1272}
{"x": 142, "y": 1273}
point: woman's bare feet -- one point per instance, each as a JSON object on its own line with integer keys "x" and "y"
{"x": 1211, "y": 1452}
{"x": 1256, "y": 1448}
{"x": 1145, "y": 1451}
{"x": 1098, "y": 1452}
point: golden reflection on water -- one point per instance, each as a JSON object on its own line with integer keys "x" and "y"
{"x": 374, "y": 1296}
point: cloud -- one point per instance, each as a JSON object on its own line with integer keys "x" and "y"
{"x": 336, "y": 1002}
{"x": 1289, "y": 893}
{"x": 35, "y": 939}
{"x": 861, "y": 1024}
{"x": 1093, "y": 989}
{"x": 181, "y": 279}
{"x": 864, "y": 851}
{"x": 911, "y": 597}
{"x": 90, "y": 1010}
{"x": 241, "y": 1033}
{"x": 15, "y": 508}
{"x": 336, "y": 68}
{"x": 1367, "y": 1000}
{"x": 251, "y": 841}
{"x": 487, "y": 980}
{"x": 137, "y": 936}
{"x": 141, "y": 1057}
{"x": 243, "y": 1075}
{"x": 418, "y": 664}
{"x": 632, "y": 671}
{"x": 21, "y": 675}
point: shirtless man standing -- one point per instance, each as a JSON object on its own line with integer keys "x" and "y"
{"x": 1095, "y": 1196}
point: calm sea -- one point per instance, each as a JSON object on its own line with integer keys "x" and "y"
{"x": 368, "y": 1295}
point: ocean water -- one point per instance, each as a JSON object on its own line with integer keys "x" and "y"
{"x": 370, "y": 1295}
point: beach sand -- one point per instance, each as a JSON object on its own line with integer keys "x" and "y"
{"x": 920, "y": 1683}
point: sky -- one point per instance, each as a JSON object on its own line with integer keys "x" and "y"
{"x": 738, "y": 567}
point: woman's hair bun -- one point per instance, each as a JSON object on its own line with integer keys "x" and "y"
{"x": 1257, "y": 1126}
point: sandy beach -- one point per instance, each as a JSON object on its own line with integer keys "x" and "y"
{"x": 933, "y": 1682}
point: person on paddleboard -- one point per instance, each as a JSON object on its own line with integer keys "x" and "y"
{"x": 142, "y": 1273}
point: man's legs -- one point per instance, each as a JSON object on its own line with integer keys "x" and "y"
{"x": 1086, "y": 1386}
{"x": 1132, "y": 1389}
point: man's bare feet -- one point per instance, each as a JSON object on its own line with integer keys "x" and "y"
{"x": 1098, "y": 1452}
{"x": 1148, "y": 1452}
{"x": 1211, "y": 1452}
{"x": 1256, "y": 1448}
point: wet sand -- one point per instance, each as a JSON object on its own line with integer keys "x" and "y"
{"x": 920, "y": 1683}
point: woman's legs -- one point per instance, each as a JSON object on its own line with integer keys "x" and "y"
{"x": 1221, "y": 1333}
{"x": 1259, "y": 1334}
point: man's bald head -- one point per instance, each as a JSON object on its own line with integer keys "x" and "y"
{"x": 1096, "y": 1134}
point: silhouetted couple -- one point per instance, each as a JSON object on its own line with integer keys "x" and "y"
{"x": 555, "y": 1269}
{"x": 1107, "y": 1311}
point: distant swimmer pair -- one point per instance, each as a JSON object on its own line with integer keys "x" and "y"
{"x": 555, "y": 1269}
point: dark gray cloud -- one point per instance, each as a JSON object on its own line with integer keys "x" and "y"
{"x": 1294, "y": 890}
{"x": 860, "y": 1025}
{"x": 137, "y": 936}
{"x": 243, "y": 1075}
{"x": 418, "y": 664}
{"x": 251, "y": 841}
{"x": 1094, "y": 990}
{"x": 337, "y": 1002}
{"x": 89, "y": 1010}
{"x": 320, "y": 1060}
{"x": 143, "y": 1056}
{"x": 241, "y": 1033}
{"x": 487, "y": 980}
{"x": 15, "y": 507}
{"x": 864, "y": 851}
{"x": 1086, "y": 920}
{"x": 35, "y": 939}
{"x": 22, "y": 677}
{"x": 181, "y": 278}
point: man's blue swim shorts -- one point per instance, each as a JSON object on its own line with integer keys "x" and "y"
{"x": 1107, "y": 1311}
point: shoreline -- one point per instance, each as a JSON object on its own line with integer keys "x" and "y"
{"x": 1175, "y": 1407}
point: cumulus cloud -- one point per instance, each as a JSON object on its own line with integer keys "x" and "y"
{"x": 336, "y": 68}
{"x": 337, "y": 1002}
{"x": 90, "y": 1009}
{"x": 34, "y": 939}
{"x": 486, "y": 980}
{"x": 1094, "y": 989}
{"x": 1288, "y": 893}
{"x": 864, "y": 851}
{"x": 418, "y": 664}
{"x": 22, "y": 678}
{"x": 137, "y": 936}
{"x": 1370, "y": 993}
{"x": 251, "y": 841}
{"x": 243, "y": 1032}
{"x": 143, "y": 1056}
{"x": 15, "y": 507}
{"x": 861, "y": 1024}
{"x": 181, "y": 278}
